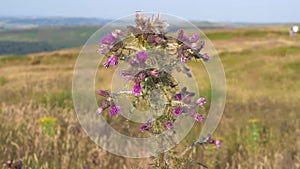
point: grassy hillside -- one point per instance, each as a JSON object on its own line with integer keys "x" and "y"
{"x": 260, "y": 126}
{"x": 43, "y": 39}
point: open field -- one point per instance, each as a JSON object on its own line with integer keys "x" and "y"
{"x": 260, "y": 127}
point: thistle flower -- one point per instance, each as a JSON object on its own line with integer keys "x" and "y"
{"x": 205, "y": 57}
{"x": 194, "y": 38}
{"x": 181, "y": 36}
{"x": 113, "y": 60}
{"x": 137, "y": 89}
{"x": 149, "y": 122}
{"x": 168, "y": 124}
{"x": 114, "y": 110}
{"x": 218, "y": 143}
{"x": 142, "y": 56}
{"x": 104, "y": 93}
{"x": 108, "y": 39}
{"x": 143, "y": 127}
{"x": 177, "y": 111}
{"x": 187, "y": 99}
{"x": 201, "y": 101}
{"x": 178, "y": 96}
{"x": 150, "y": 32}
{"x": 199, "y": 118}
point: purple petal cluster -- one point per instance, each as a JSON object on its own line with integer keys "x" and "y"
{"x": 137, "y": 89}
{"x": 108, "y": 42}
{"x": 108, "y": 102}
{"x": 142, "y": 56}
{"x": 113, "y": 60}
{"x": 184, "y": 96}
{"x": 168, "y": 124}
{"x": 104, "y": 93}
{"x": 218, "y": 143}
{"x": 193, "y": 43}
{"x": 114, "y": 110}
{"x": 177, "y": 111}
{"x": 108, "y": 39}
{"x": 145, "y": 126}
{"x": 199, "y": 118}
{"x": 201, "y": 101}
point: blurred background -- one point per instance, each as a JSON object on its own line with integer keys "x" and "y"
{"x": 257, "y": 41}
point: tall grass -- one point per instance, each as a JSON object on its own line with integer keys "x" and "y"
{"x": 259, "y": 129}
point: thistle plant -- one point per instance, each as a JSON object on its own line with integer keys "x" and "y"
{"x": 153, "y": 56}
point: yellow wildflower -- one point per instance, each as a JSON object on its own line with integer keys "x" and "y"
{"x": 253, "y": 120}
{"x": 47, "y": 120}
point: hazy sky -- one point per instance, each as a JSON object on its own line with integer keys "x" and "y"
{"x": 209, "y": 10}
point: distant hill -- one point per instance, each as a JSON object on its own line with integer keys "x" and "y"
{"x": 23, "y": 35}
{"x": 41, "y": 39}
{"x": 33, "y": 22}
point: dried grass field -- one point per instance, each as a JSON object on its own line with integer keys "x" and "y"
{"x": 260, "y": 127}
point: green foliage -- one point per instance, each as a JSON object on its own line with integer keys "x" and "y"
{"x": 49, "y": 124}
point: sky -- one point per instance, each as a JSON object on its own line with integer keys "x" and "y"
{"x": 257, "y": 11}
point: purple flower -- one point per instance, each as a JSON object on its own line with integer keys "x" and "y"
{"x": 185, "y": 38}
{"x": 142, "y": 56}
{"x": 181, "y": 36}
{"x": 137, "y": 89}
{"x": 178, "y": 96}
{"x": 132, "y": 62}
{"x": 105, "y": 104}
{"x": 154, "y": 72}
{"x": 113, "y": 60}
{"x": 195, "y": 37}
{"x": 187, "y": 99}
{"x": 108, "y": 39}
{"x": 205, "y": 57}
{"x": 143, "y": 127}
{"x": 183, "y": 59}
{"x": 201, "y": 101}
{"x": 114, "y": 110}
{"x": 211, "y": 141}
{"x": 107, "y": 63}
{"x": 199, "y": 118}
{"x": 218, "y": 143}
{"x": 168, "y": 124}
{"x": 177, "y": 111}
{"x": 103, "y": 93}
